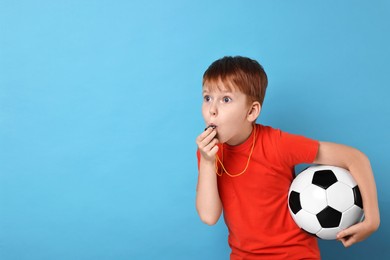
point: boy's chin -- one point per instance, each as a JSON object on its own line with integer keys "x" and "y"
{"x": 221, "y": 139}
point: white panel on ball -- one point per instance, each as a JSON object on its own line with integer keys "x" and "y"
{"x": 313, "y": 199}
{"x": 302, "y": 180}
{"x": 307, "y": 221}
{"x": 352, "y": 215}
{"x": 328, "y": 233}
{"x": 340, "y": 196}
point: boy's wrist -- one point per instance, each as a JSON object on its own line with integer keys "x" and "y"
{"x": 206, "y": 165}
{"x": 207, "y": 160}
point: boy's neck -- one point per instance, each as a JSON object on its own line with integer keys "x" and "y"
{"x": 244, "y": 135}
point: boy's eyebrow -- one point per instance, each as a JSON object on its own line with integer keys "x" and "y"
{"x": 223, "y": 91}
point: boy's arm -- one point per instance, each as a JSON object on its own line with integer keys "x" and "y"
{"x": 208, "y": 203}
{"x": 358, "y": 164}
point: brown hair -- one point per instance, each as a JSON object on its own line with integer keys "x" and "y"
{"x": 241, "y": 73}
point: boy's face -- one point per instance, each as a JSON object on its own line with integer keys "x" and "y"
{"x": 228, "y": 111}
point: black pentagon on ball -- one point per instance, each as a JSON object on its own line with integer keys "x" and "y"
{"x": 357, "y": 197}
{"x": 294, "y": 202}
{"x": 329, "y": 217}
{"x": 324, "y": 178}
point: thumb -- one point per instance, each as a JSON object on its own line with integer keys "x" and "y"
{"x": 346, "y": 232}
{"x": 342, "y": 234}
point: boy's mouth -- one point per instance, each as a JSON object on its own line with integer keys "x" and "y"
{"x": 211, "y": 125}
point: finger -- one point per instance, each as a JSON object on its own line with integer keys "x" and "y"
{"x": 342, "y": 234}
{"x": 211, "y": 150}
{"x": 348, "y": 231}
{"x": 348, "y": 241}
{"x": 211, "y": 145}
{"x": 207, "y": 142}
{"x": 214, "y": 150}
{"x": 206, "y": 137}
{"x": 204, "y": 134}
{"x": 347, "y": 236}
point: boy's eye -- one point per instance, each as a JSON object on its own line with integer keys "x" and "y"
{"x": 226, "y": 99}
{"x": 207, "y": 98}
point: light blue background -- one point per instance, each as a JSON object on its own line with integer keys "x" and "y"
{"x": 100, "y": 108}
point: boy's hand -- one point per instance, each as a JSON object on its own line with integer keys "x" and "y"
{"x": 207, "y": 144}
{"x": 355, "y": 233}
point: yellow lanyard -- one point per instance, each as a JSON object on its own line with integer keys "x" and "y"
{"x": 247, "y": 163}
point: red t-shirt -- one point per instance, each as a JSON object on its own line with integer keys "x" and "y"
{"x": 255, "y": 203}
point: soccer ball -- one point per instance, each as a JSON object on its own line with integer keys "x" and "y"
{"x": 323, "y": 200}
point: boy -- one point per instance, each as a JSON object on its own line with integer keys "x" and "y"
{"x": 245, "y": 169}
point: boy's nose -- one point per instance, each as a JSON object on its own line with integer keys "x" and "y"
{"x": 213, "y": 110}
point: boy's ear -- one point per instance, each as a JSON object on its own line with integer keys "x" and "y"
{"x": 254, "y": 111}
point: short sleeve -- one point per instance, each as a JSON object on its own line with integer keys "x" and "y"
{"x": 296, "y": 149}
